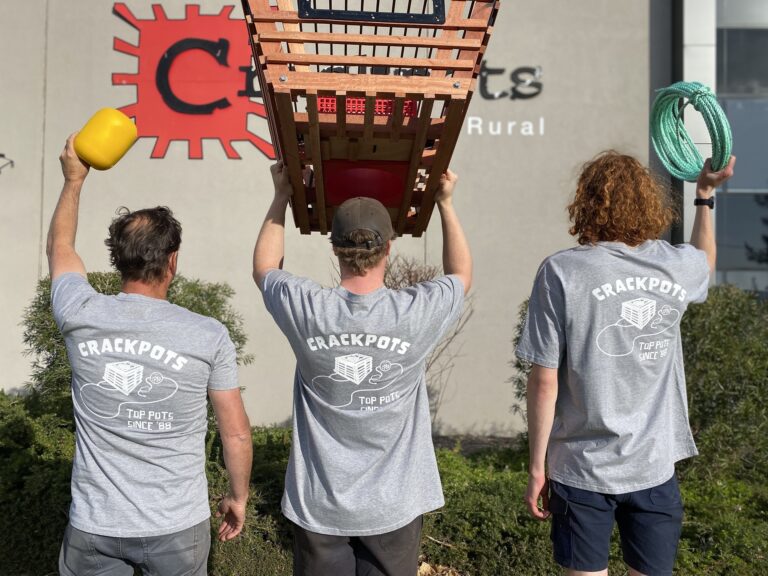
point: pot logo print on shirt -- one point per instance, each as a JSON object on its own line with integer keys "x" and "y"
{"x": 343, "y": 387}
{"x": 124, "y": 391}
{"x": 123, "y": 387}
{"x": 641, "y": 319}
{"x": 355, "y": 383}
{"x": 194, "y": 80}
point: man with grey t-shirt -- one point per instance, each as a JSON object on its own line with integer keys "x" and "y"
{"x": 362, "y": 469}
{"x": 141, "y": 371}
{"x": 606, "y": 395}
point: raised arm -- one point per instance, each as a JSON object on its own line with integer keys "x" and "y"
{"x": 457, "y": 258}
{"x": 270, "y": 245}
{"x": 60, "y": 248}
{"x": 235, "y": 431}
{"x": 541, "y": 397}
{"x": 703, "y": 233}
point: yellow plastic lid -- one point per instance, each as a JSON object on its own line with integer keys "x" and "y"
{"x": 105, "y": 138}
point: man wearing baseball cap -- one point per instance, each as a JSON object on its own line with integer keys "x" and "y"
{"x": 362, "y": 469}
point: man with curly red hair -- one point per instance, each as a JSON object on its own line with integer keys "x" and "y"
{"x": 607, "y": 405}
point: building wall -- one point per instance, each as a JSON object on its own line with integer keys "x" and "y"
{"x": 699, "y": 65}
{"x": 593, "y": 56}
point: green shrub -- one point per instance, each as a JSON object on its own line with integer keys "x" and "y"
{"x": 522, "y": 368}
{"x": 725, "y": 528}
{"x": 726, "y": 364}
{"x": 35, "y": 465}
{"x": 263, "y": 548}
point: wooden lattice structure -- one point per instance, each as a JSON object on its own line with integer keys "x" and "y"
{"x": 367, "y": 97}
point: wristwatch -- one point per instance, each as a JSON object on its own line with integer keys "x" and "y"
{"x": 705, "y": 202}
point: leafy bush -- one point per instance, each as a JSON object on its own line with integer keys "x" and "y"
{"x": 726, "y": 367}
{"x": 264, "y": 546}
{"x": 725, "y": 528}
{"x": 522, "y": 368}
{"x": 35, "y": 466}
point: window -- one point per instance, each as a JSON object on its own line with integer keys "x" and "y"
{"x": 742, "y": 85}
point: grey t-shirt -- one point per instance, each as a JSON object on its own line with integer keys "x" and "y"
{"x": 362, "y": 460}
{"x": 141, "y": 368}
{"x": 608, "y": 316}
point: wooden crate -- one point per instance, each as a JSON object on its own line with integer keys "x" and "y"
{"x": 365, "y": 106}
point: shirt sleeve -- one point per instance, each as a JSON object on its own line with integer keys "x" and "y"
{"x": 224, "y": 370}
{"x": 69, "y": 293}
{"x": 274, "y": 288}
{"x": 280, "y": 290}
{"x": 447, "y": 296}
{"x": 699, "y": 281}
{"x": 542, "y": 339}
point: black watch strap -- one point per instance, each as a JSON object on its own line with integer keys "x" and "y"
{"x": 705, "y": 202}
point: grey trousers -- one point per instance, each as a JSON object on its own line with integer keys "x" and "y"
{"x": 182, "y": 553}
{"x": 395, "y": 553}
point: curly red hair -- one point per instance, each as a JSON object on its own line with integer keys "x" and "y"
{"x": 619, "y": 200}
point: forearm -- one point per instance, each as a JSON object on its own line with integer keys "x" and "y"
{"x": 703, "y": 232}
{"x": 457, "y": 258}
{"x": 238, "y": 455}
{"x": 60, "y": 247}
{"x": 270, "y": 245}
{"x": 541, "y": 400}
{"x": 63, "y": 228}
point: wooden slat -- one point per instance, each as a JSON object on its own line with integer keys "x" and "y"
{"x": 293, "y": 17}
{"x": 335, "y": 148}
{"x": 370, "y": 39}
{"x": 455, "y": 11}
{"x": 370, "y": 105}
{"x": 453, "y": 121}
{"x": 293, "y": 47}
{"x": 484, "y": 11}
{"x": 350, "y": 60}
{"x": 397, "y": 116}
{"x": 259, "y": 49}
{"x": 291, "y": 158}
{"x": 359, "y": 84}
{"x": 425, "y": 117}
{"x": 317, "y": 162}
{"x": 341, "y": 113}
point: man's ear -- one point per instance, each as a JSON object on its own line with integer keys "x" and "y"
{"x": 389, "y": 246}
{"x": 173, "y": 262}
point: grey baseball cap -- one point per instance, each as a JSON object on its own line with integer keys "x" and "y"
{"x": 361, "y": 213}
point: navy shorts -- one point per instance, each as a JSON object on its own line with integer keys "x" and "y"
{"x": 649, "y": 524}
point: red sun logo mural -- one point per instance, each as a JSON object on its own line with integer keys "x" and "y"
{"x": 194, "y": 81}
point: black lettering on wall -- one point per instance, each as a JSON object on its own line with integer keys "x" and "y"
{"x": 219, "y": 50}
{"x": 485, "y": 72}
{"x": 525, "y": 83}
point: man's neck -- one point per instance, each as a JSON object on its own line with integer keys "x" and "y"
{"x": 158, "y": 290}
{"x": 372, "y": 281}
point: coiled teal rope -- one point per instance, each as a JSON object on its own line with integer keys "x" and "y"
{"x": 670, "y": 139}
